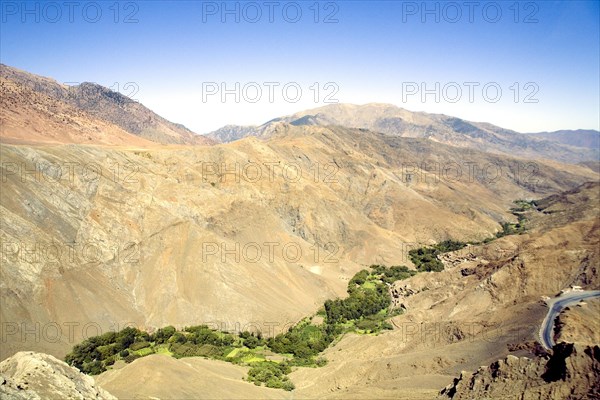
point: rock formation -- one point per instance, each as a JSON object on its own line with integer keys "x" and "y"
{"x": 571, "y": 372}
{"x": 37, "y": 376}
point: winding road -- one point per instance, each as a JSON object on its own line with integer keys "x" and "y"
{"x": 556, "y": 305}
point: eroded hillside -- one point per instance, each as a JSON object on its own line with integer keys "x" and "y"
{"x": 438, "y": 128}
{"x": 487, "y": 305}
{"x": 187, "y": 235}
{"x": 35, "y": 376}
{"x": 37, "y": 109}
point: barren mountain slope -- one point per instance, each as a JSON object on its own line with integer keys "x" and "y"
{"x": 579, "y": 138}
{"x": 165, "y": 236}
{"x": 466, "y": 316}
{"x": 396, "y": 121}
{"x": 579, "y": 323}
{"x": 27, "y": 116}
{"x": 36, "y": 376}
{"x": 90, "y": 101}
{"x": 485, "y": 305}
{"x": 230, "y": 133}
{"x": 164, "y": 377}
{"x": 572, "y": 372}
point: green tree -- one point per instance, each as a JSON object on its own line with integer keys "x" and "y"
{"x": 251, "y": 342}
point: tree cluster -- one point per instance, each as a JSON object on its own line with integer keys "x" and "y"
{"x": 93, "y": 354}
{"x": 365, "y": 308}
{"x": 425, "y": 258}
{"x": 273, "y": 375}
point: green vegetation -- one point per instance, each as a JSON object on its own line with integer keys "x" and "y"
{"x": 365, "y": 310}
{"x": 303, "y": 341}
{"x": 510, "y": 229}
{"x": 93, "y": 355}
{"x": 521, "y": 206}
{"x": 392, "y": 274}
{"x": 361, "y": 302}
{"x": 425, "y": 258}
{"x": 272, "y": 374}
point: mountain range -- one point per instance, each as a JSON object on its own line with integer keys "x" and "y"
{"x": 563, "y": 146}
{"x": 111, "y": 216}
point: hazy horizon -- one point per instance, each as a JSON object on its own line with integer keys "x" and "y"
{"x": 173, "y": 58}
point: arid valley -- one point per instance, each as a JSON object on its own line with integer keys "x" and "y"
{"x": 353, "y": 250}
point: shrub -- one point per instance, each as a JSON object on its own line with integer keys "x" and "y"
{"x": 95, "y": 367}
{"x": 392, "y": 274}
{"x": 204, "y": 335}
{"x": 360, "y": 303}
{"x": 227, "y": 339}
{"x": 139, "y": 345}
{"x": 288, "y": 385}
{"x": 251, "y": 342}
{"x": 177, "y": 337}
{"x": 357, "y": 280}
{"x": 302, "y": 362}
{"x": 163, "y": 334}
{"x": 131, "y": 357}
{"x": 273, "y": 375}
{"x": 126, "y": 337}
{"x": 184, "y": 350}
{"x": 303, "y": 340}
{"x": 386, "y": 326}
{"x": 425, "y": 259}
{"x": 274, "y": 383}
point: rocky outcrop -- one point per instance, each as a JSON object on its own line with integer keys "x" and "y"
{"x": 29, "y": 375}
{"x": 579, "y": 323}
{"x": 572, "y": 372}
{"x": 42, "y": 100}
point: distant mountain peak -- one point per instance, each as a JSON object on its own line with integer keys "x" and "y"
{"x": 396, "y": 121}
{"x": 587, "y": 138}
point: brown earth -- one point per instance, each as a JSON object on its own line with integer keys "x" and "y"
{"x": 256, "y": 234}
{"x": 36, "y": 109}
{"x": 147, "y": 242}
{"x": 164, "y": 377}
{"x": 438, "y": 128}
{"x": 572, "y": 372}
{"x": 579, "y": 323}
{"x": 483, "y": 307}
{"x": 31, "y": 117}
{"x": 35, "y": 376}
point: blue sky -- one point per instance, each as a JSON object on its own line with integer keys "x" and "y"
{"x": 528, "y": 66}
